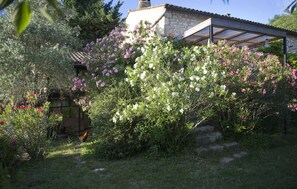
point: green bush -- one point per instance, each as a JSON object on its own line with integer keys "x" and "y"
{"x": 114, "y": 140}
{"x": 151, "y": 102}
{"x": 25, "y": 125}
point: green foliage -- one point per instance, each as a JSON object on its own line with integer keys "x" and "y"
{"x": 161, "y": 84}
{"x": 275, "y": 48}
{"x": 22, "y": 11}
{"x": 243, "y": 86}
{"x": 38, "y": 58}
{"x": 287, "y": 21}
{"x": 25, "y": 125}
{"x": 95, "y": 18}
{"x": 292, "y": 7}
{"x": 22, "y": 16}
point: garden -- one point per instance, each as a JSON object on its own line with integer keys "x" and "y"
{"x": 144, "y": 95}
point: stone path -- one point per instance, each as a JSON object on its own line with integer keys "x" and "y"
{"x": 226, "y": 160}
{"x": 210, "y": 141}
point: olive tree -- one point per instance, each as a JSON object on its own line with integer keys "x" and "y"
{"x": 36, "y": 59}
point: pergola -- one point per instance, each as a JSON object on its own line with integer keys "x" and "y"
{"x": 235, "y": 32}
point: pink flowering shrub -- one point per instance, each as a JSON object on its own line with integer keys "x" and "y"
{"x": 242, "y": 86}
{"x": 107, "y": 58}
{"x": 24, "y": 124}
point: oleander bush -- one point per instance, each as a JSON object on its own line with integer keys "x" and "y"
{"x": 24, "y": 127}
{"x": 150, "y": 93}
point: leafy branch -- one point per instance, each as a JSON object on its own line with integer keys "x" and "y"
{"x": 22, "y": 12}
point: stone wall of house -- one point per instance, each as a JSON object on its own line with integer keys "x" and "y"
{"x": 292, "y": 44}
{"x": 176, "y": 23}
{"x": 151, "y": 15}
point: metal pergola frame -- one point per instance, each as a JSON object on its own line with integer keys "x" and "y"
{"x": 240, "y": 33}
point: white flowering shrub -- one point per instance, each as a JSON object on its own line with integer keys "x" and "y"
{"x": 154, "y": 102}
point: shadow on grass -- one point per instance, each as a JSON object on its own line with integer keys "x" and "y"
{"x": 74, "y": 165}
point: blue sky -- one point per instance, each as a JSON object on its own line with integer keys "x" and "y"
{"x": 254, "y": 10}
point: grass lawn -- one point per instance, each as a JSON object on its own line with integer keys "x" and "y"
{"x": 271, "y": 163}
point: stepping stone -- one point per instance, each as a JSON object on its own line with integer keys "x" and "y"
{"x": 226, "y": 160}
{"x": 216, "y": 148}
{"x": 231, "y": 145}
{"x": 202, "y": 151}
{"x": 204, "y": 129}
{"x": 215, "y": 136}
{"x": 99, "y": 169}
{"x": 202, "y": 140}
{"x": 240, "y": 154}
{"x": 208, "y": 138}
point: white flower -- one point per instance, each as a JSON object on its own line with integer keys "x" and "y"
{"x": 151, "y": 65}
{"x": 181, "y": 111}
{"x": 121, "y": 118}
{"x": 233, "y": 94}
{"x": 135, "y": 106}
{"x": 169, "y": 108}
{"x": 192, "y": 78}
{"x": 197, "y": 89}
{"x": 175, "y": 94}
{"x": 204, "y": 71}
{"x": 135, "y": 66}
{"x": 114, "y": 119}
{"x": 191, "y": 85}
{"x": 223, "y": 87}
{"x": 142, "y": 76}
{"x": 131, "y": 83}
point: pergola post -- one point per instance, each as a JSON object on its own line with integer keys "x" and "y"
{"x": 285, "y": 112}
{"x": 210, "y": 33}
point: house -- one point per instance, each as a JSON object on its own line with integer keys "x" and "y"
{"x": 199, "y": 27}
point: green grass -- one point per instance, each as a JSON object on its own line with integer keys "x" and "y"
{"x": 271, "y": 163}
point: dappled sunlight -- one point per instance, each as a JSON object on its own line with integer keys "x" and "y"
{"x": 64, "y": 149}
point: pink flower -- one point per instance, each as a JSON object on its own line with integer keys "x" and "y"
{"x": 243, "y": 90}
{"x": 243, "y": 118}
{"x": 39, "y": 110}
{"x": 293, "y": 72}
{"x": 264, "y": 91}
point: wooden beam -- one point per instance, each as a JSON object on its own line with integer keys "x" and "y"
{"x": 196, "y": 28}
{"x": 259, "y": 43}
{"x": 236, "y": 35}
{"x": 202, "y": 39}
{"x": 247, "y": 26}
{"x": 251, "y": 38}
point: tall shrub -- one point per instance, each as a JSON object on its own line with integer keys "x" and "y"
{"x": 26, "y": 125}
